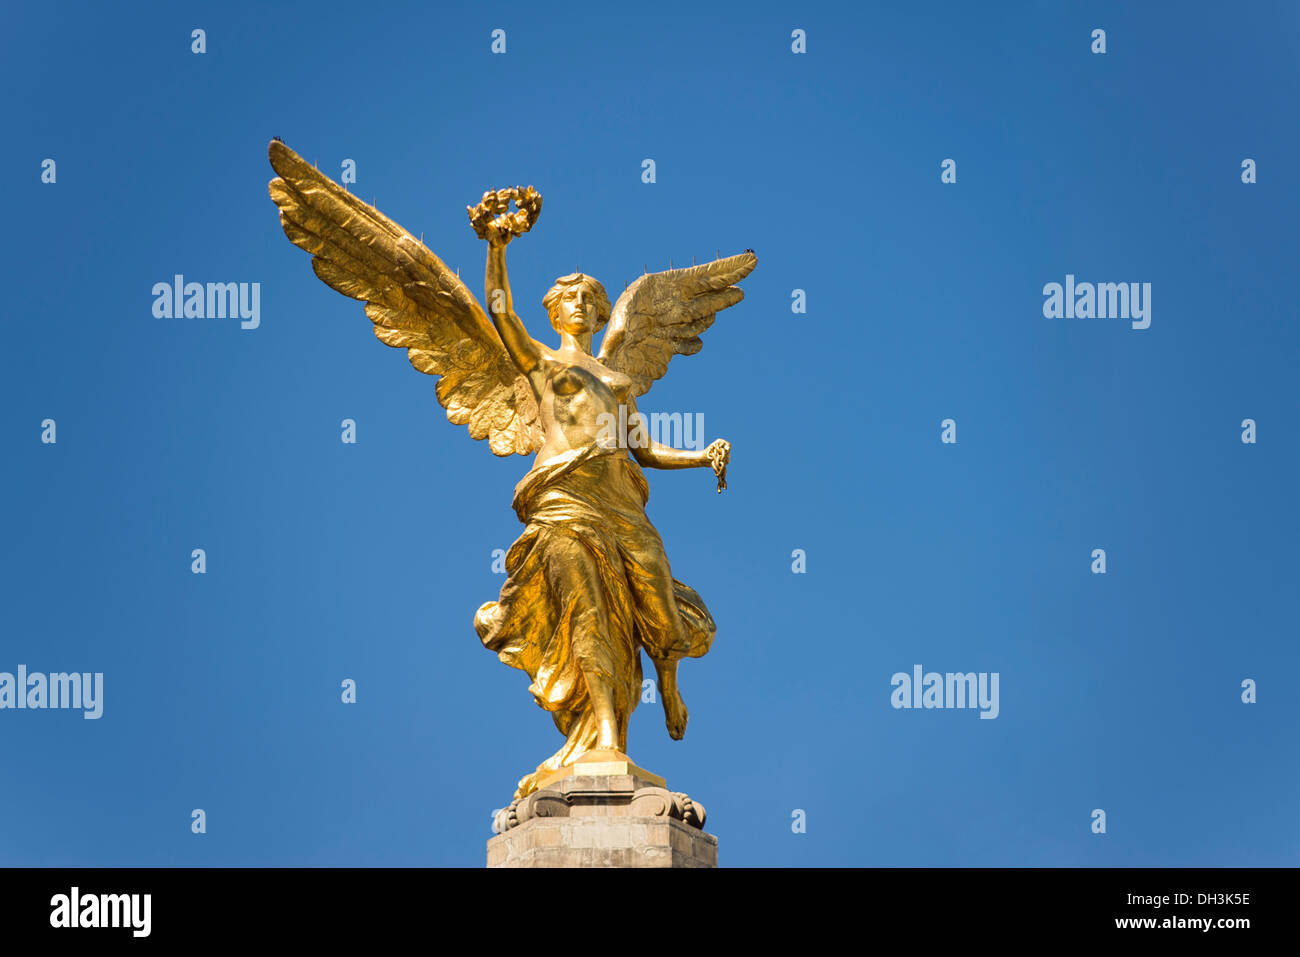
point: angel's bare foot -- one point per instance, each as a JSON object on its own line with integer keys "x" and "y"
{"x": 675, "y": 714}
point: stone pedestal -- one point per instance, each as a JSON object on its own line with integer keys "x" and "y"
{"x": 602, "y": 811}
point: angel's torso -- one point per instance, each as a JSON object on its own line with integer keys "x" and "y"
{"x": 578, "y": 400}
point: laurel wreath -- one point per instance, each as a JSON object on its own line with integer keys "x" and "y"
{"x": 494, "y": 211}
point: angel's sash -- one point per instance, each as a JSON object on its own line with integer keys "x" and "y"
{"x": 554, "y": 469}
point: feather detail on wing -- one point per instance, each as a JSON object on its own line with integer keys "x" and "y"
{"x": 662, "y": 314}
{"x": 415, "y": 302}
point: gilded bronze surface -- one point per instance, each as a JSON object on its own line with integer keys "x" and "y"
{"x": 589, "y": 585}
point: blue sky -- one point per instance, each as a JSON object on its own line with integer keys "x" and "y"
{"x": 328, "y": 561}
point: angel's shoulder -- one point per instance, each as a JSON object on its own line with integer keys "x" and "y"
{"x": 547, "y": 358}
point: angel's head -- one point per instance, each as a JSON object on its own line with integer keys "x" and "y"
{"x": 577, "y": 304}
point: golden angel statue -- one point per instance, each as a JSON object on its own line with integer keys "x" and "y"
{"x": 588, "y": 582}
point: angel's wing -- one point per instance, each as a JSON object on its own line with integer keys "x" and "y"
{"x": 415, "y": 302}
{"x": 662, "y": 314}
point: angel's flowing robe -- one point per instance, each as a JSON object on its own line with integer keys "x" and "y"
{"x": 588, "y": 586}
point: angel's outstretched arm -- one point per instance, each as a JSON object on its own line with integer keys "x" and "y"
{"x": 524, "y": 351}
{"x": 656, "y": 455}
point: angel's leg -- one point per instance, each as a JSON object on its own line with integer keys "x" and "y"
{"x": 602, "y": 705}
{"x": 675, "y": 713}
{"x": 576, "y": 579}
{"x": 664, "y": 635}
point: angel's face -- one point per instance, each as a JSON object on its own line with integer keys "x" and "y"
{"x": 576, "y": 312}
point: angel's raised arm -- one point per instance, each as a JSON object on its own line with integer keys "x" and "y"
{"x": 524, "y": 350}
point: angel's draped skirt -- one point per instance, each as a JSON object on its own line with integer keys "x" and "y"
{"x": 588, "y": 585}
